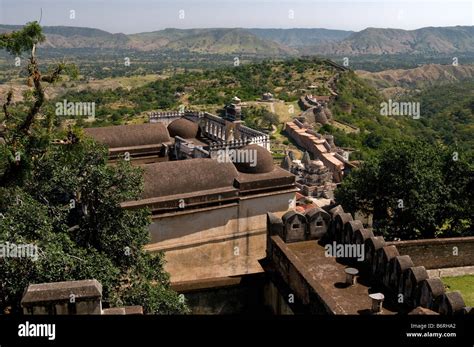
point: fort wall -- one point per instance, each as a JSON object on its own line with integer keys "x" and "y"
{"x": 397, "y": 267}
{"x": 439, "y": 253}
{"x": 217, "y": 242}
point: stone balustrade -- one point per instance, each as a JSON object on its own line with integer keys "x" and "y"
{"x": 214, "y": 128}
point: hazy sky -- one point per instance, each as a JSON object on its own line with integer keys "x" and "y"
{"x": 132, "y": 16}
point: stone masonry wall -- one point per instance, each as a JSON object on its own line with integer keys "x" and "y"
{"x": 389, "y": 264}
{"x": 439, "y": 253}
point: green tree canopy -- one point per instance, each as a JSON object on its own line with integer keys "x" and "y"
{"x": 68, "y": 206}
{"x": 412, "y": 190}
{"x": 21, "y": 41}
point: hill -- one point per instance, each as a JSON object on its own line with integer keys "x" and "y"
{"x": 221, "y": 41}
{"x": 212, "y": 41}
{"x": 76, "y": 37}
{"x": 356, "y": 103}
{"x": 445, "y": 112}
{"x": 420, "y": 77}
{"x": 301, "y": 37}
{"x": 270, "y": 42}
{"x": 448, "y": 112}
{"x": 429, "y": 40}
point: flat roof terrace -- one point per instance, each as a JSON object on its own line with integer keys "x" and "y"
{"x": 323, "y": 278}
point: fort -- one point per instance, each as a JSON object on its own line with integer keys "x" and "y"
{"x": 315, "y": 109}
{"x": 235, "y": 241}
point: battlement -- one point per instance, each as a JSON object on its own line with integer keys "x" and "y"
{"x": 407, "y": 285}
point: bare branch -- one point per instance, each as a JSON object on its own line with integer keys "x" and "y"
{"x": 35, "y": 75}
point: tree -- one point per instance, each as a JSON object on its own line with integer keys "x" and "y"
{"x": 67, "y": 204}
{"x": 259, "y": 117}
{"x": 269, "y": 119}
{"x": 412, "y": 189}
{"x": 69, "y": 208}
{"x": 17, "y": 138}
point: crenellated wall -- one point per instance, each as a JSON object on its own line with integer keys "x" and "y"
{"x": 387, "y": 264}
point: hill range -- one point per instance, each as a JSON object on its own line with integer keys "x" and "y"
{"x": 270, "y": 42}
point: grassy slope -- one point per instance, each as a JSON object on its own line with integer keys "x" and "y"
{"x": 465, "y": 284}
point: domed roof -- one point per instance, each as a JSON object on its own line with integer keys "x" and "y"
{"x": 130, "y": 135}
{"x": 311, "y": 212}
{"x": 184, "y": 128}
{"x": 186, "y": 176}
{"x": 254, "y": 159}
{"x": 290, "y": 214}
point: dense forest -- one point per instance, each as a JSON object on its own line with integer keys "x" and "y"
{"x": 413, "y": 189}
{"x": 449, "y": 114}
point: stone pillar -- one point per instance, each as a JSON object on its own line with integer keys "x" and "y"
{"x": 349, "y": 230}
{"x": 361, "y": 235}
{"x": 384, "y": 255}
{"x": 339, "y": 222}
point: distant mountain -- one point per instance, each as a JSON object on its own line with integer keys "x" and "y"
{"x": 300, "y": 37}
{"x": 222, "y": 41}
{"x": 420, "y": 77}
{"x": 271, "y": 42}
{"x": 208, "y": 41}
{"x": 430, "y": 40}
{"x": 76, "y": 37}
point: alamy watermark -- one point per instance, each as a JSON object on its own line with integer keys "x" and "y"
{"x": 237, "y": 156}
{"x": 37, "y": 330}
{"x": 12, "y": 250}
{"x": 69, "y": 108}
{"x": 396, "y": 108}
{"x": 338, "y": 250}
